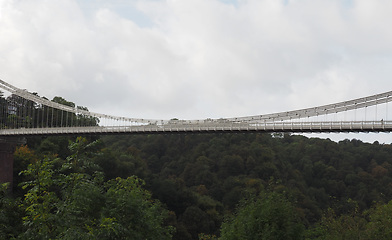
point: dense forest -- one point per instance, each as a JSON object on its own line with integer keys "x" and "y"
{"x": 198, "y": 186}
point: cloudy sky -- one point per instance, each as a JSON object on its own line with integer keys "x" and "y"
{"x": 195, "y": 59}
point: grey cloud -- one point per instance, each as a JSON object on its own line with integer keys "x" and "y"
{"x": 197, "y": 59}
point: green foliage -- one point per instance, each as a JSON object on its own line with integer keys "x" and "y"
{"x": 10, "y": 214}
{"x": 71, "y": 201}
{"x": 203, "y": 236}
{"x": 268, "y": 216}
{"x": 374, "y": 223}
{"x": 318, "y": 174}
{"x": 201, "y": 178}
{"x": 134, "y": 210}
{"x": 40, "y": 201}
{"x": 380, "y": 223}
{"x": 350, "y": 225}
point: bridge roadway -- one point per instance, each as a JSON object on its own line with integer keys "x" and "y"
{"x": 282, "y": 126}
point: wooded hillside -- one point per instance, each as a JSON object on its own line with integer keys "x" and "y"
{"x": 328, "y": 190}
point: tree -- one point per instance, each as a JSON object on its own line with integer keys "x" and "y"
{"x": 10, "y": 214}
{"x": 380, "y": 223}
{"x": 70, "y": 200}
{"x": 268, "y": 216}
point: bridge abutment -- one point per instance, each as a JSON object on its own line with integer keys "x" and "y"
{"x": 7, "y": 149}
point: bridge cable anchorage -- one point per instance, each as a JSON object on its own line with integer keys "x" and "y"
{"x": 27, "y": 110}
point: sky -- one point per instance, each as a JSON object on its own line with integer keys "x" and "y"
{"x": 197, "y": 59}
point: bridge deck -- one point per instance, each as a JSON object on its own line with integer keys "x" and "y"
{"x": 359, "y": 126}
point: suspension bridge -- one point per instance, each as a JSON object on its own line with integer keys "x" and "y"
{"x": 26, "y": 114}
{"x": 23, "y": 113}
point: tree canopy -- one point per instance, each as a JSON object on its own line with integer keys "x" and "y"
{"x": 69, "y": 199}
{"x": 269, "y": 216}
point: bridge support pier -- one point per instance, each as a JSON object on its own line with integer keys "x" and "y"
{"x": 7, "y": 149}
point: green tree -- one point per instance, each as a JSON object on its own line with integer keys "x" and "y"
{"x": 10, "y": 214}
{"x": 380, "y": 223}
{"x": 133, "y": 209}
{"x": 70, "y": 200}
{"x": 268, "y": 216}
{"x": 349, "y": 225}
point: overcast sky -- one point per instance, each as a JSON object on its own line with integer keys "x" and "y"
{"x": 196, "y": 59}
